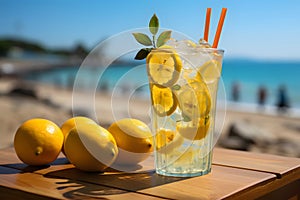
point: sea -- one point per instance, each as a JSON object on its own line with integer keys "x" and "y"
{"x": 244, "y": 74}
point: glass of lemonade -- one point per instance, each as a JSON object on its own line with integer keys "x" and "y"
{"x": 183, "y": 80}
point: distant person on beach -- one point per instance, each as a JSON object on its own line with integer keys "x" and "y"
{"x": 282, "y": 99}
{"x": 235, "y": 91}
{"x": 261, "y": 96}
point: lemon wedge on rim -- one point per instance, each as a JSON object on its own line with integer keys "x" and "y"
{"x": 164, "y": 66}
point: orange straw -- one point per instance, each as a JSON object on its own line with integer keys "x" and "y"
{"x": 207, "y": 22}
{"x": 219, "y": 29}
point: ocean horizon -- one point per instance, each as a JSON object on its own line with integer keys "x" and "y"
{"x": 248, "y": 74}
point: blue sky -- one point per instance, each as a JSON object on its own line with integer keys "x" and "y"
{"x": 259, "y": 29}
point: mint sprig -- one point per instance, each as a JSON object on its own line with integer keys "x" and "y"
{"x": 163, "y": 38}
{"x": 154, "y": 24}
{"x": 146, "y": 41}
{"x": 142, "y": 39}
{"x": 143, "y": 53}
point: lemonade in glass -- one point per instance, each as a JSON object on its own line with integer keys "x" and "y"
{"x": 183, "y": 80}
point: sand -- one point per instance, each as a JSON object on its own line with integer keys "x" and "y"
{"x": 59, "y": 104}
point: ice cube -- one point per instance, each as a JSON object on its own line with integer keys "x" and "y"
{"x": 185, "y": 44}
{"x": 172, "y": 42}
{"x": 204, "y": 44}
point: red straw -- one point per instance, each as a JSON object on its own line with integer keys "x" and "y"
{"x": 219, "y": 29}
{"x": 207, "y": 22}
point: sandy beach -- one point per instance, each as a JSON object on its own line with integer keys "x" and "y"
{"x": 257, "y": 131}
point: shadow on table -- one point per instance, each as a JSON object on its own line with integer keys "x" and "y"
{"x": 109, "y": 183}
{"x": 23, "y": 167}
{"x": 31, "y": 169}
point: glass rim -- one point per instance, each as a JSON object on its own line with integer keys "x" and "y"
{"x": 196, "y": 48}
{"x": 210, "y": 49}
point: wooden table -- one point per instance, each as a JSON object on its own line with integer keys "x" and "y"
{"x": 235, "y": 175}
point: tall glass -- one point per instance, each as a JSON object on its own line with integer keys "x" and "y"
{"x": 183, "y": 83}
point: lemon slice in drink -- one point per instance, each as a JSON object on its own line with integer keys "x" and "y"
{"x": 211, "y": 70}
{"x": 164, "y": 66}
{"x": 163, "y": 99}
{"x": 167, "y": 140}
{"x": 194, "y": 130}
{"x": 194, "y": 99}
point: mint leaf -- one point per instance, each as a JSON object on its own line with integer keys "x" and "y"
{"x": 142, "y": 39}
{"x": 176, "y": 87}
{"x": 153, "y": 24}
{"x": 186, "y": 118}
{"x": 143, "y": 53}
{"x": 163, "y": 38}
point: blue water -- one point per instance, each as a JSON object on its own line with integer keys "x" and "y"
{"x": 250, "y": 75}
{"x": 247, "y": 73}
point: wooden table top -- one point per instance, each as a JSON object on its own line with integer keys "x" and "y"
{"x": 235, "y": 175}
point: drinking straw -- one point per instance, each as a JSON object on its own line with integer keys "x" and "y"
{"x": 207, "y": 22}
{"x": 219, "y": 29}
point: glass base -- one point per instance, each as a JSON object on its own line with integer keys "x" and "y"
{"x": 201, "y": 173}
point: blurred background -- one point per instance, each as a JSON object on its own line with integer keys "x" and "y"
{"x": 43, "y": 44}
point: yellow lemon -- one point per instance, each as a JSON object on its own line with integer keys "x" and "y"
{"x": 167, "y": 140}
{"x": 163, "y": 66}
{"x": 38, "y": 142}
{"x": 211, "y": 70}
{"x": 90, "y": 147}
{"x": 194, "y": 131}
{"x": 163, "y": 99}
{"x": 73, "y": 122}
{"x": 134, "y": 140}
{"x": 194, "y": 99}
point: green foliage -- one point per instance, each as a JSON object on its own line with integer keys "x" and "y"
{"x": 143, "y": 53}
{"x": 154, "y": 24}
{"x": 163, "y": 38}
{"x": 145, "y": 39}
{"x": 6, "y": 45}
{"x": 142, "y": 39}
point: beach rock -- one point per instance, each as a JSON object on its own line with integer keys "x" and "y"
{"x": 23, "y": 91}
{"x": 287, "y": 147}
{"x": 242, "y": 135}
{"x": 282, "y": 146}
{"x": 236, "y": 143}
{"x": 27, "y": 90}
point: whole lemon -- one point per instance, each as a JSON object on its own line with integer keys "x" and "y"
{"x": 134, "y": 140}
{"x": 73, "y": 122}
{"x": 38, "y": 142}
{"x": 90, "y": 147}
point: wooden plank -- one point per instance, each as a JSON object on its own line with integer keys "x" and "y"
{"x": 250, "y": 180}
{"x": 236, "y": 181}
{"x": 10, "y": 193}
{"x": 221, "y": 183}
{"x": 10, "y": 159}
{"x": 240, "y": 159}
{"x": 289, "y": 191}
{"x": 15, "y": 184}
{"x": 278, "y": 165}
{"x": 286, "y": 169}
